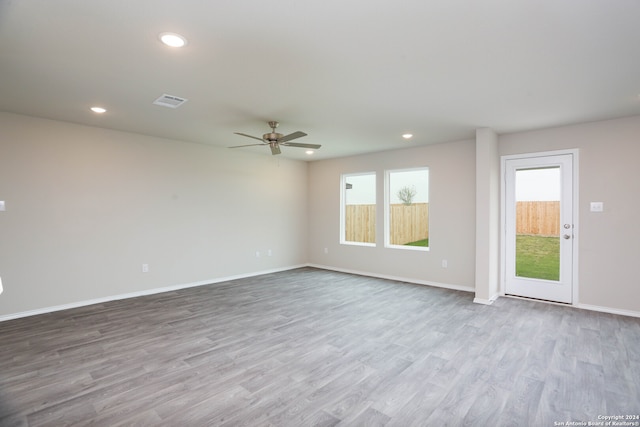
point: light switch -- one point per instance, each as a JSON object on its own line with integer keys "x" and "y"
{"x": 597, "y": 206}
{"x": 2, "y": 205}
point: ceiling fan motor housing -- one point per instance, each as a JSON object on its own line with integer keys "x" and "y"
{"x": 272, "y": 137}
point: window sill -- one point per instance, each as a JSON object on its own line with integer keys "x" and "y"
{"x": 409, "y": 248}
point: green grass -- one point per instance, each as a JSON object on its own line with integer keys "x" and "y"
{"x": 538, "y": 257}
{"x": 423, "y": 242}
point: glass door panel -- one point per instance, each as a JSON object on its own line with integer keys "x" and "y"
{"x": 538, "y": 223}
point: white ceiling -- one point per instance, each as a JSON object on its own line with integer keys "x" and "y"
{"x": 353, "y": 74}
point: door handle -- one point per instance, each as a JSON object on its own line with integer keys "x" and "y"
{"x": 567, "y": 236}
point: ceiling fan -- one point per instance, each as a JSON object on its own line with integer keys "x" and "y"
{"x": 274, "y": 140}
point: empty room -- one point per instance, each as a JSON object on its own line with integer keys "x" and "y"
{"x": 290, "y": 213}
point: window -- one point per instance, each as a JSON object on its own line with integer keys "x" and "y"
{"x": 407, "y": 209}
{"x": 358, "y": 209}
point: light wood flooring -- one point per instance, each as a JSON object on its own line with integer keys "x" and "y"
{"x": 311, "y": 347}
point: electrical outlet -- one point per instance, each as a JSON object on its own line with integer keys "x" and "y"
{"x": 444, "y": 263}
{"x": 145, "y": 268}
{"x": 269, "y": 253}
{"x": 2, "y": 207}
{"x": 257, "y": 254}
{"x": 326, "y": 250}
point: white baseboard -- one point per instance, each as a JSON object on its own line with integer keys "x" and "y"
{"x": 142, "y": 293}
{"x": 621, "y": 312}
{"x": 490, "y": 301}
{"x": 396, "y": 278}
{"x": 486, "y": 301}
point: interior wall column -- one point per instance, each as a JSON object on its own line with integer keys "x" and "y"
{"x": 487, "y": 216}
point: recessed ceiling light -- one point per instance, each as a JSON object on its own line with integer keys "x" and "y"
{"x": 98, "y": 110}
{"x": 407, "y": 136}
{"x": 309, "y": 152}
{"x": 173, "y": 39}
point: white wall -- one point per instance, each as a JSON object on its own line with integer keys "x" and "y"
{"x": 609, "y": 242}
{"x": 86, "y": 207}
{"x": 451, "y": 215}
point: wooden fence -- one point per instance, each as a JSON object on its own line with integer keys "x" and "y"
{"x": 407, "y": 223}
{"x": 411, "y": 223}
{"x": 360, "y": 223}
{"x": 538, "y": 218}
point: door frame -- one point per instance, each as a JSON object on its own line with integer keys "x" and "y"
{"x": 576, "y": 228}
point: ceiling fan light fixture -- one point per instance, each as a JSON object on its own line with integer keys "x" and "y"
{"x": 98, "y": 110}
{"x": 173, "y": 39}
{"x": 407, "y": 135}
{"x": 309, "y": 152}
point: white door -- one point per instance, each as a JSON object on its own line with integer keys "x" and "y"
{"x": 539, "y": 227}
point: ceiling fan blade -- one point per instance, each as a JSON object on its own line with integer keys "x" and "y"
{"x": 249, "y": 145}
{"x": 275, "y": 149}
{"x": 296, "y": 144}
{"x": 248, "y": 136}
{"x": 291, "y": 136}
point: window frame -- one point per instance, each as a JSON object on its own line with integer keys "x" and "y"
{"x": 387, "y": 209}
{"x": 343, "y": 214}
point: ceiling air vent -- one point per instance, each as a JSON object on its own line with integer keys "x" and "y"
{"x": 170, "y": 101}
